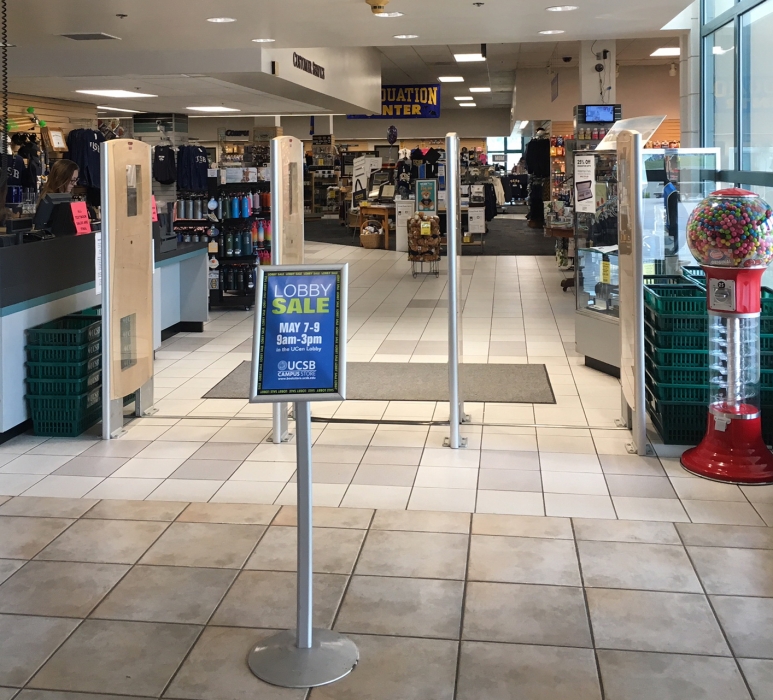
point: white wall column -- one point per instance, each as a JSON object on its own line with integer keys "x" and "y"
{"x": 690, "y": 80}
{"x": 277, "y": 121}
{"x": 598, "y": 87}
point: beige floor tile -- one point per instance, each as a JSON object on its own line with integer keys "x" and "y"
{"x": 722, "y": 513}
{"x": 356, "y": 518}
{"x": 47, "y": 507}
{"x": 625, "y": 531}
{"x": 418, "y": 521}
{"x": 35, "y": 464}
{"x": 639, "y": 486}
{"x": 523, "y": 560}
{"x": 149, "y": 468}
{"x": 376, "y": 496}
{"x": 385, "y": 475}
{"x": 335, "y": 550}
{"x": 526, "y": 614}
{"x": 642, "y": 676}
{"x": 704, "y": 490}
{"x": 26, "y": 642}
{"x": 579, "y": 506}
{"x": 631, "y": 508}
{"x": 258, "y": 492}
{"x": 726, "y": 536}
{"x": 234, "y": 514}
{"x": 510, "y": 502}
{"x": 455, "y": 500}
{"x": 411, "y": 607}
{"x": 509, "y": 460}
{"x": 748, "y": 624}
{"x": 439, "y": 457}
{"x": 725, "y": 571}
{"x": 566, "y": 463}
{"x": 759, "y": 676}
{"x": 504, "y": 671}
{"x": 676, "y": 623}
{"x": 200, "y": 490}
{"x": 566, "y": 444}
{"x": 631, "y": 465}
{"x": 139, "y": 659}
{"x": 455, "y": 477}
{"x": 329, "y": 495}
{"x": 574, "y": 482}
{"x": 125, "y": 489}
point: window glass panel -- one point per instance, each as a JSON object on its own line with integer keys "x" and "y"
{"x": 757, "y": 89}
{"x": 720, "y": 100}
{"x": 495, "y": 143}
{"x": 514, "y": 143}
{"x": 714, "y": 8}
{"x": 512, "y": 160}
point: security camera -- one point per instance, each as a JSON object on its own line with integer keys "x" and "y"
{"x": 567, "y": 59}
{"x": 377, "y": 6}
{"x": 599, "y": 67}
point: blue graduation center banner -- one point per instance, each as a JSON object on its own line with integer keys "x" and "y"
{"x": 301, "y": 330}
{"x": 407, "y": 102}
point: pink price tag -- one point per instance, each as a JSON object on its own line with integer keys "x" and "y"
{"x": 154, "y": 209}
{"x": 80, "y": 217}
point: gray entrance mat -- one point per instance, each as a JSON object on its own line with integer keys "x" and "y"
{"x": 418, "y": 381}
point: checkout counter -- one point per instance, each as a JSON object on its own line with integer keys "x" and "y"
{"x": 43, "y": 279}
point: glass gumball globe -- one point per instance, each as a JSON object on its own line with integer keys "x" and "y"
{"x": 731, "y": 228}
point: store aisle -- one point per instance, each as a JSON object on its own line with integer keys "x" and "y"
{"x": 566, "y": 459}
{"x": 155, "y": 600}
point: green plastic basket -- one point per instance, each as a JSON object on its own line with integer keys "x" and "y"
{"x": 666, "y": 279}
{"x": 69, "y": 330}
{"x": 766, "y": 342}
{"x": 767, "y": 423}
{"x": 677, "y": 423}
{"x": 92, "y": 311}
{"x": 66, "y": 416}
{"x": 676, "y": 299}
{"x": 693, "y": 376}
{"x": 63, "y": 353}
{"x": 676, "y": 324}
{"x": 670, "y": 340}
{"x": 63, "y": 387}
{"x": 678, "y": 393}
{"x": 678, "y": 358}
{"x": 63, "y": 370}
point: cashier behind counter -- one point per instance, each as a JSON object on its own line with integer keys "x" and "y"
{"x": 53, "y": 213}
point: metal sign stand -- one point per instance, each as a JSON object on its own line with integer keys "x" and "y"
{"x": 454, "y": 248}
{"x": 304, "y": 657}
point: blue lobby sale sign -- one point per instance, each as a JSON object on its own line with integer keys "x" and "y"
{"x": 300, "y": 333}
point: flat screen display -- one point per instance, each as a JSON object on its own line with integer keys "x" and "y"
{"x": 600, "y": 113}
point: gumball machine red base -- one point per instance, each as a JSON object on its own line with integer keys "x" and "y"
{"x": 732, "y": 229}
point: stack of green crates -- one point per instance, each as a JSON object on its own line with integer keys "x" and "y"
{"x": 64, "y": 374}
{"x": 676, "y": 357}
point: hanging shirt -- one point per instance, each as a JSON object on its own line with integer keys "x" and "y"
{"x": 164, "y": 165}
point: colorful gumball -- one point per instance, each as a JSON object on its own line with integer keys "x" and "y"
{"x": 732, "y": 228}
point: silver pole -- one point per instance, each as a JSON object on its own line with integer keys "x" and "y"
{"x": 453, "y": 247}
{"x": 105, "y": 273}
{"x": 303, "y": 452}
{"x": 280, "y": 429}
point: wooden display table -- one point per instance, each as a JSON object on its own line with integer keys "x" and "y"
{"x": 380, "y": 212}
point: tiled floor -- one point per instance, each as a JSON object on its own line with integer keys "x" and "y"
{"x": 164, "y": 599}
{"x": 566, "y": 459}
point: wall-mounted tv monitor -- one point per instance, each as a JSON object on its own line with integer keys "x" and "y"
{"x": 600, "y": 113}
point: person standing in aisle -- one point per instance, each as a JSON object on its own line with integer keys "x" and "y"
{"x": 538, "y": 167}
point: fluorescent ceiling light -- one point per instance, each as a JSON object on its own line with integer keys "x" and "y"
{"x": 666, "y": 51}
{"x": 221, "y": 20}
{"x": 480, "y": 89}
{"x": 463, "y": 99}
{"x": 264, "y": 41}
{"x": 562, "y": 8}
{"x": 469, "y": 57}
{"x": 115, "y": 93}
{"x": 7, "y": 46}
{"x": 406, "y": 36}
{"x": 119, "y": 109}
{"x": 213, "y": 109}
{"x": 524, "y": 124}
{"x": 552, "y": 31}
{"x": 719, "y": 51}
{"x": 389, "y": 14}
{"x": 467, "y": 104}
{"x": 451, "y": 79}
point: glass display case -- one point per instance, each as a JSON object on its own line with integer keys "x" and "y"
{"x": 674, "y": 181}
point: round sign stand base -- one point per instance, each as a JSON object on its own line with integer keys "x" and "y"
{"x": 280, "y": 662}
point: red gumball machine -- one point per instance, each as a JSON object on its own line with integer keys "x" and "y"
{"x": 731, "y": 234}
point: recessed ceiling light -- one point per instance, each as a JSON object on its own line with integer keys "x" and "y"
{"x": 524, "y": 124}
{"x": 221, "y": 20}
{"x": 552, "y": 31}
{"x": 481, "y": 89}
{"x": 115, "y": 93}
{"x": 463, "y": 99}
{"x": 451, "y": 79}
{"x": 389, "y": 14}
{"x": 406, "y": 36}
{"x": 666, "y": 51}
{"x": 119, "y": 109}
{"x": 213, "y": 109}
{"x": 469, "y": 57}
{"x": 264, "y": 41}
{"x": 467, "y": 104}
{"x": 562, "y": 8}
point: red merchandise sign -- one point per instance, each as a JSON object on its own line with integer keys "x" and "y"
{"x": 80, "y": 217}
{"x": 154, "y": 210}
